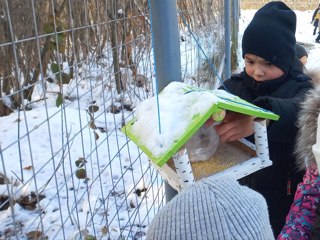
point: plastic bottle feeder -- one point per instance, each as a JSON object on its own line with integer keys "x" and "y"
{"x": 185, "y": 111}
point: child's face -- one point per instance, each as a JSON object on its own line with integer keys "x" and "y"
{"x": 260, "y": 69}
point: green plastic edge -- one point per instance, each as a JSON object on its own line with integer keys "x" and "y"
{"x": 197, "y": 122}
{"x": 257, "y": 112}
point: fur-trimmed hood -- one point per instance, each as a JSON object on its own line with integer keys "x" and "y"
{"x": 307, "y": 124}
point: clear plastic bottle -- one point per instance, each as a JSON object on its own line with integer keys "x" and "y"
{"x": 203, "y": 144}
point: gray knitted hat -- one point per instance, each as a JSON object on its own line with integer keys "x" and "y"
{"x": 213, "y": 209}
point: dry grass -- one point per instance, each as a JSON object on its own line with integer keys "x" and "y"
{"x": 302, "y": 5}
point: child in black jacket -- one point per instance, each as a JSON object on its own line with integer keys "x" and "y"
{"x": 270, "y": 81}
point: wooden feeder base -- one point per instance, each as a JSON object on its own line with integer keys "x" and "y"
{"x": 227, "y": 156}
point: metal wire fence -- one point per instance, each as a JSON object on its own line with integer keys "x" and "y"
{"x": 71, "y": 74}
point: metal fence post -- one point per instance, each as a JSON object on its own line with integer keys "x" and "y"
{"x": 227, "y": 39}
{"x": 165, "y": 34}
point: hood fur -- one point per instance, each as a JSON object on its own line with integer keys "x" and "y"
{"x": 307, "y": 124}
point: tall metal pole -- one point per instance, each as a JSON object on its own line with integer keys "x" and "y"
{"x": 165, "y": 34}
{"x": 227, "y": 39}
{"x": 166, "y": 41}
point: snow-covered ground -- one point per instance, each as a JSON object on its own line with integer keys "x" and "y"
{"x": 72, "y": 205}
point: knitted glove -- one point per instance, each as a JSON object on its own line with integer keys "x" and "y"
{"x": 263, "y": 102}
{"x": 316, "y": 147}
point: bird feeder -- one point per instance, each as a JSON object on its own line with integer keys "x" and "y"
{"x": 166, "y": 148}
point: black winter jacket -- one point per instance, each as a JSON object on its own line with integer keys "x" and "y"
{"x": 281, "y": 96}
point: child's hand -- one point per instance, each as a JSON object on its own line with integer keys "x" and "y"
{"x": 235, "y": 126}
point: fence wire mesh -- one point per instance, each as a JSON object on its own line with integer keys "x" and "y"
{"x": 71, "y": 74}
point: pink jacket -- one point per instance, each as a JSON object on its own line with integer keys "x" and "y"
{"x": 301, "y": 216}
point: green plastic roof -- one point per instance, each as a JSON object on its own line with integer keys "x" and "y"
{"x": 225, "y": 102}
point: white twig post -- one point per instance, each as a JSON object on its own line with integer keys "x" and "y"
{"x": 261, "y": 140}
{"x": 183, "y": 167}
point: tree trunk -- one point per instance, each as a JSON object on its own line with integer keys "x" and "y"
{"x": 114, "y": 46}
